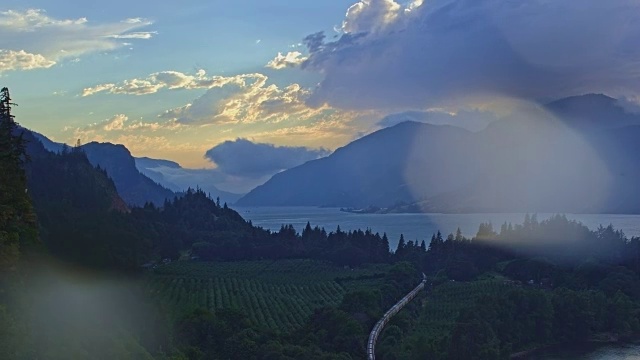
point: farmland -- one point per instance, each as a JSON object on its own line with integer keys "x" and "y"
{"x": 446, "y": 301}
{"x": 278, "y": 295}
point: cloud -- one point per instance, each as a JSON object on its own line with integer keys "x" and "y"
{"x": 169, "y": 80}
{"x": 442, "y": 52}
{"x": 98, "y": 88}
{"x": 136, "y": 135}
{"x": 21, "y": 60}
{"x": 331, "y": 130}
{"x": 291, "y": 59}
{"x": 115, "y": 123}
{"x": 246, "y": 98}
{"x": 121, "y": 122}
{"x": 42, "y": 41}
{"x": 247, "y": 159}
{"x": 136, "y": 35}
{"x": 370, "y": 15}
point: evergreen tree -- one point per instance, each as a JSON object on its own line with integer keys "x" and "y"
{"x": 385, "y": 246}
{"x": 18, "y": 229}
{"x": 433, "y": 245}
{"x": 459, "y": 236}
{"x": 401, "y": 246}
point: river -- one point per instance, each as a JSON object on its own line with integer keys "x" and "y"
{"x": 608, "y": 352}
{"x": 413, "y": 226}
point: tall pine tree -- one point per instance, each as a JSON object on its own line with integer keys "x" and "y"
{"x": 18, "y": 229}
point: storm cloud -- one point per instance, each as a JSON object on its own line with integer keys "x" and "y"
{"x": 443, "y": 52}
{"x": 248, "y": 159}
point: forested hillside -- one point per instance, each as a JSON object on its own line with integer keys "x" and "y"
{"x": 134, "y": 187}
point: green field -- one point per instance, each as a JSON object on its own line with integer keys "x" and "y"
{"x": 445, "y": 302}
{"x": 279, "y": 295}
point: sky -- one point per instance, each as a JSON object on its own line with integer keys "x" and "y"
{"x": 188, "y": 80}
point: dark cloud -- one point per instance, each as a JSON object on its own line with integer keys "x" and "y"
{"x": 452, "y": 51}
{"x": 244, "y": 158}
{"x": 314, "y": 42}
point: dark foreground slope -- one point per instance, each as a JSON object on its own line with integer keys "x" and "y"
{"x": 81, "y": 216}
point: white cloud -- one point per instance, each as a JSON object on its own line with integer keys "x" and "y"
{"x": 121, "y": 124}
{"x": 97, "y": 89}
{"x": 370, "y": 15}
{"x": 115, "y": 123}
{"x": 246, "y": 98}
{"x": 50, "y": 40}
{"x": 135, "y": 35}
{"x": 134, "y": 20}
{"x": 22, "y": 60}
{"x": 170, "y": 80}
{"x": 136, "y": 135}
{"x": 332, "y": 130}
{"x": 291, "y": 59}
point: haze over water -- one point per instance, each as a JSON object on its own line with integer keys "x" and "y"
{"x": 413, "y": 226}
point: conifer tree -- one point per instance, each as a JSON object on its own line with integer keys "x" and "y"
{"x": 18, "y": 228}
{"x": 401, "y": 246}
{"x": 459, "y": 236}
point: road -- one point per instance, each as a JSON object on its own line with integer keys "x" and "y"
{"x": 377, "y": 329}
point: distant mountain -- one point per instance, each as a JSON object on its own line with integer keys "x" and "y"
{"x": 373, "y": 170}
{"x": 535, "y": 163}
{"x": 143, "y": 179}
{"x": 134, "y": 187}
{"x": 593, "y": 110}
{"x": 143, "y": 163}
{"x": 47, "y": 143}
{"x": 172, "y": 176}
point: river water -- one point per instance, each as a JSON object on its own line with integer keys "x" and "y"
{"x": 413, "y": 226}
{"x": 608, "y": 352}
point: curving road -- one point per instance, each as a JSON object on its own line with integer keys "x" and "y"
{"x": 377, "y": 329}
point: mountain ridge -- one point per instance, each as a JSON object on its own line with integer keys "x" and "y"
{"x": 135, "y": 178}
{"x": 543, "y": 161}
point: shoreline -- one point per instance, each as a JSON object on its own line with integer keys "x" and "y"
{"x": 596, "y": 341}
